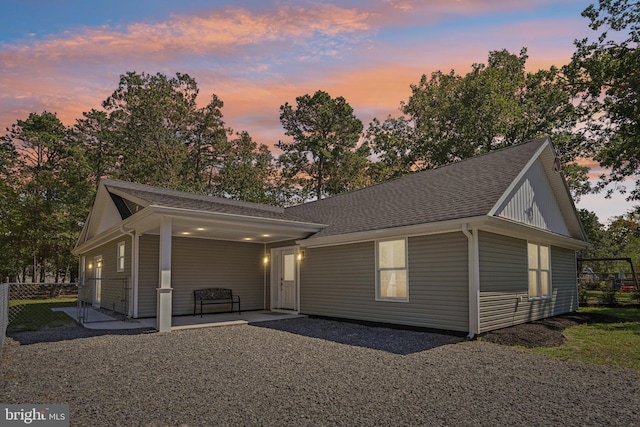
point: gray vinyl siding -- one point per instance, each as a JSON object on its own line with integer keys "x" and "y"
{"x": 202, "y": 263}
{"x": 114, "y": 284}
{"x": 339, "y": 281}
{"x": 148, "y": 275}
{"x": 564, "y": 280}
{"x": 504, "y": 279}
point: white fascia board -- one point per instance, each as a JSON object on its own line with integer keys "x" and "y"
{"x": 237, "y": 219}
{"x": 99, "y": 200}
{"x": 484, "y": 223}
{"x": 450, "y": 226}
{"x": 518, "y": 230}
{"x": 112, "y": 233}
{"x": 517, "y": 179}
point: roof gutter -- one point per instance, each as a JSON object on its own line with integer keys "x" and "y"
{"x": 448, "y": 226}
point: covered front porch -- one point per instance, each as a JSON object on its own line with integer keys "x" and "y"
{"x": 192, "y": 254}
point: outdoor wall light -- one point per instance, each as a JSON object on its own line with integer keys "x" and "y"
{"x": 265, "y": 260}
{"x": 90, "y": 266}
{"x": 300, "y": 255}
{"x": 99, "y": 264}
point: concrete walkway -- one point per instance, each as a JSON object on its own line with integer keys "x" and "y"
{"x": 97, "y": 319}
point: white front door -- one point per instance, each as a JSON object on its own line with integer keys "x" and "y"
{"x": 97, "y": 280}
{"x": 284, "y": 279}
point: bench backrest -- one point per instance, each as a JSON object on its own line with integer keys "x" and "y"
{"x": 212, "y": 293}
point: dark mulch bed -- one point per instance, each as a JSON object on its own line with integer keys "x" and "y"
{"x": 546, "y": 332}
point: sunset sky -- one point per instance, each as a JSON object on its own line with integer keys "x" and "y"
{"x": 66, "y": 56}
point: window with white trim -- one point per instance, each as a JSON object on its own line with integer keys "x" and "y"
{"x": 391, "y": 270}
{"x": 120, "y": 256}
{"x": 539, "y": 270}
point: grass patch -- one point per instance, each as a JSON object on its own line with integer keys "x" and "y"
{"x": 36, "y": 314}
{"x": 615, "y": 344}
{"x": 596, "y": 296}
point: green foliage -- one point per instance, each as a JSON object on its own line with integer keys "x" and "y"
{"x": 51, "y": 196}
{"x": 449, "y": 117}
{"x": 248, "y": 172}
{"x": 324, "y": 157}
{"x": 606, "y": 75}
{"x": 609, "y": 294}
{"x": 583, "y": 295}
{"x": 150, "y": 118}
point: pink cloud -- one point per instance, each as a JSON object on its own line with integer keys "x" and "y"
{"x": 220, "y": 32}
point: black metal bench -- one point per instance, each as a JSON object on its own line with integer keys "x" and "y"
{"x": 214, "y": 296}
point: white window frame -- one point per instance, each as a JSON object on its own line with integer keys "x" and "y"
{"x": 538, "y": 295}
{"x": 379, "y": 270}
{"x": 120, "y": 256}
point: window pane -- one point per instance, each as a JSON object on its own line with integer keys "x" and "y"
{"x": 544, "y": 283}
{"x": 392, "y": 254}
{"x": 533, "y": 283}
{"x": 533, "y": 255}
{"x": 393, "y": 284}
{"x": 544, "y": 257}
{"x": 289, "y": 267}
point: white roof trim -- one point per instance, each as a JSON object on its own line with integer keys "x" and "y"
{"x": 496, "y": 225}
{"x": 144, "y": 220}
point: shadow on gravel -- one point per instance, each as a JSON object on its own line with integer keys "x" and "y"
{"x": 375, "y": 337}
{"x": 70, "y": 333}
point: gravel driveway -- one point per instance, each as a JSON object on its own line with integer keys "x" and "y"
{"x": 281, "y": 374}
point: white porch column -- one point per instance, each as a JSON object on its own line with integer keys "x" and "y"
{"x": 163, "y": 319}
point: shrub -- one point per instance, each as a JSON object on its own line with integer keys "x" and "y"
{"x": 609, "y": 295}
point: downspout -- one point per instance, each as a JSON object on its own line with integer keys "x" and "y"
{"x": 474, "y": 280}
{"x": 264, "y": 277}
{"x": 133, "y": 310}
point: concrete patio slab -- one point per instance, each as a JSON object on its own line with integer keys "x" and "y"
{"x": 100, "y": 320}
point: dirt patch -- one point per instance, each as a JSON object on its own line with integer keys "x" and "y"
{"x": 544, "y": 333}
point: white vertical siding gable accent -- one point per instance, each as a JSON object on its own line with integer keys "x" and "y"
{"x": 533, "y": 202}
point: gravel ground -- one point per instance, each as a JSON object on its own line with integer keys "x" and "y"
{"x": 281, "y": 374}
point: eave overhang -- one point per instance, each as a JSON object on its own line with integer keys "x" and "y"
{"x": 487, "y": 223}
{"x": 148, "y": 220}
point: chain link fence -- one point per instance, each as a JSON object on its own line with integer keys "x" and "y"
{"x": 4, "y": 311}
{"x": 29, "y": 305}
{"x": 37, "y": 306}
{"x": 103, "y": 299}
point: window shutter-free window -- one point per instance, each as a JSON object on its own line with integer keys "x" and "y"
{"x": 391, "y": 277}
{"x": 120, "y": 256}
{"x": 539, "y": 270}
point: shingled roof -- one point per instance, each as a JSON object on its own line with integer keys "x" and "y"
{"x": 164, "y": 197}
{"x": 466, "y": 189}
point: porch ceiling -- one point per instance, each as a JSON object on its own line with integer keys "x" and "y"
{"x": 233, "y": 229}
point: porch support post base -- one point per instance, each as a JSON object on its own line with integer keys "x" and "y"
{"x": 163, "y": 319}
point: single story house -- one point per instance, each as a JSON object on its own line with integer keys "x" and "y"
{"x": 476, "y": 245}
